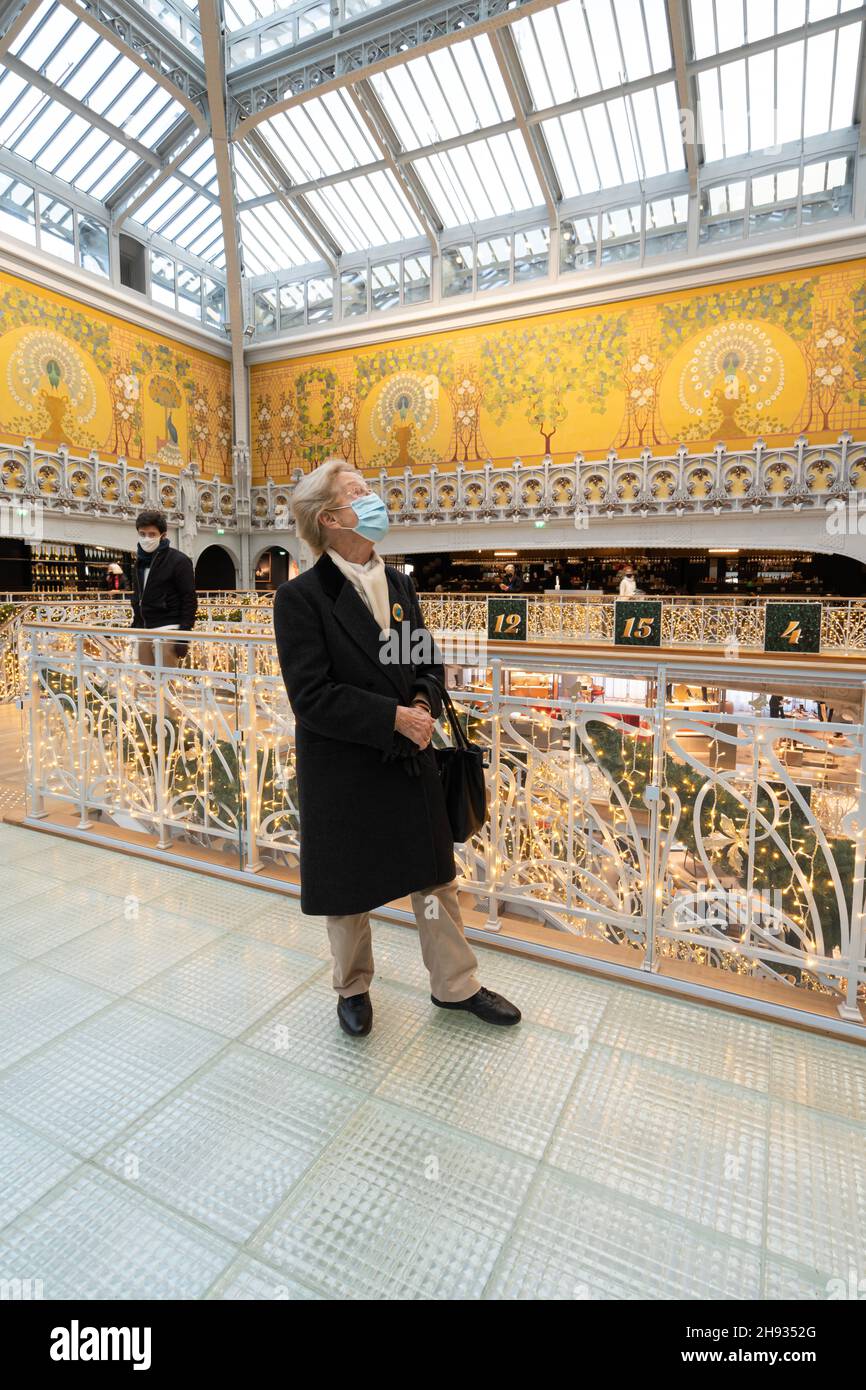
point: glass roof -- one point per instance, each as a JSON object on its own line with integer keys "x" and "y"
{"x": 566, "y": 104}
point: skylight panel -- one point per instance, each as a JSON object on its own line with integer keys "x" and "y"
{"x": 51, "y": 27}
{"x": 321, "y": 137}
{"x": 485, "y": 178}
{"x": 273, "y": 242}
{"x": 365, "y": 211}
{"x": 762, "y": 101}
{"x": 820, "y": 53}
{"x": 116, "y": 172}
{"x": 66, "y": 139}
{"x": 452, "y": 91}
{"x": 789, "y": 91}
{"x": 845, "y": 84}
{"x": 248, "y": 181}
{"x": 572, "y": 154}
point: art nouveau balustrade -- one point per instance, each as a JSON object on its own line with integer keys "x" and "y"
{"x": 61, "y": 481}
{"x": 730, "y": 625}
{"x": 680, "y": 484}
{"x": 722, "y": 849}
{"x": 802, "y": 476}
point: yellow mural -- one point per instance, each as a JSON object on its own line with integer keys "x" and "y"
{"x": 72, "y": 375}
{"x": 772, "y": 356}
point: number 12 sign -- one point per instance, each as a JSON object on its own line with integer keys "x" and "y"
{"x": 506, "y": 619}
{"x": 637, "y": 623}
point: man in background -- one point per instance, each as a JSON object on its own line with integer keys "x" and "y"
{"x": 163, "y": 589}
{"x": 512, "y": 583}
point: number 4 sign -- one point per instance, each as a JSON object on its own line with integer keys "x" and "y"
{"x": 637, "y": 623}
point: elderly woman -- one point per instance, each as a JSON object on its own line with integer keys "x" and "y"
{"x": 373, "y": 821}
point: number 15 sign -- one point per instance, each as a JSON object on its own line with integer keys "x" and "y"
{"x": 506, "y": 619}
{"x": 637, "y": 623}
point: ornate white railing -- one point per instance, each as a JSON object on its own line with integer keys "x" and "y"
{"x": 710, "y": 621}
{"x": 727, "y": 624}
{"x": 61, "y": 481}
{"x": 682, "y": 484}
{"x": 639, "y": 833}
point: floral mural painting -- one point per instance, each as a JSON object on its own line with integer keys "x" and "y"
{"x": 771, "y": 357}
{"x": 95, "y": 383}
{"x": 545, "y": 369}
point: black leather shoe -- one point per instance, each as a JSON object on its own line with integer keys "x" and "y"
{"x": 490, "y": 1007}
{"x": 355, "y": 1014}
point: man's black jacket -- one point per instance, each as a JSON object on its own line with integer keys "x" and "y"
{"x": 169, "y": 594}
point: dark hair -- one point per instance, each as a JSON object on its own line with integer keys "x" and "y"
{"x": 156, "y": 519}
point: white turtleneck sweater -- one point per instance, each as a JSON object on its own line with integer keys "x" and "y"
{"x": 371, "y": 583}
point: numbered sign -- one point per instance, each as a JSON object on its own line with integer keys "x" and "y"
{"x": 506, "y": 619}
{"x": 792, "y": 627}
{"x": 637, "y": 622}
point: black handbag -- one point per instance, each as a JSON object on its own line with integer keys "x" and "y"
{"x": 461, "y": 771}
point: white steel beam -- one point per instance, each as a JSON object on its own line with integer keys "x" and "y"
{"x": 141, "y": 60}
{"x": 373, "y": 115}
{"x": 508, "y": 62}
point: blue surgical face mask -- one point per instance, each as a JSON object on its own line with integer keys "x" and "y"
{"x": 372, "y": 516}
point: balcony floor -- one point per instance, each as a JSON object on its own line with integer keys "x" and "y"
{"x": 181, "y": 1117}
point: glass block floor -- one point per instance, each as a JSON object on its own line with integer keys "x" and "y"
{"x": 181, "y": 1116}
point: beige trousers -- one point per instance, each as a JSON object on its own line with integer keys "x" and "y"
{"x": 447, "y": 954}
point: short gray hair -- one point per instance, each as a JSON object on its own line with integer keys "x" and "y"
{"x": 315, "y": 493}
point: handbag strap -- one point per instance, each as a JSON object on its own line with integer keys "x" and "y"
{"x": 457, "y": 730}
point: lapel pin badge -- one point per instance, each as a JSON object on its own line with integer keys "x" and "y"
{"x": 397, "y": 612}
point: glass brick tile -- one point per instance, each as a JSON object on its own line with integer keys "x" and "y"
{"x": 84, "y": 1089}
{"x": 283, "y": 924}
{"x": 574, "y": 1243}
{"x": 686, "y": 1144}
{"x": 819, "y": 1072}
{"x": 691, "y": 1036}
{"x": 121, "y": 955}
{"x": 789, "y": 1282}
{"x": 37, "y": 1005}
{"x": 487, "y": 1079}
{"x": 306, "y": 1032}
{"x": 228, "y": 1147}
{"x": 230, "y": 984}
{"x": 95, "y": 1238}
{"x": 816, "y": 1203}
{"x": 14, "y": 841}
{"x": 218, "y": 901}
{"x": 70, "y": 860}
{"x": 19, "y": 884}
{"x": 249, "y": 1280}
{"x": 398, "y": 1207}
{"x": 564, "y": 1000}
{"x": 40, "y": 924}
{"x": 29, "y": 1167}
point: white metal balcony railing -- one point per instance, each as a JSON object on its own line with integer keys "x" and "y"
{"x": 728, "y": 624}
{"x": 639, "y": 834}
{"x": 799, "y": 477}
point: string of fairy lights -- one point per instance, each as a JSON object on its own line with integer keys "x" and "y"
{"x": 206, "y": 753}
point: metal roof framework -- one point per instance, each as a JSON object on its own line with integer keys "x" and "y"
{"x": 252, "y": 139}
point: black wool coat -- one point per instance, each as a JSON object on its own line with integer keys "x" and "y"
{"x": 373, "y": 823}
{"x": 169, "y": 595}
